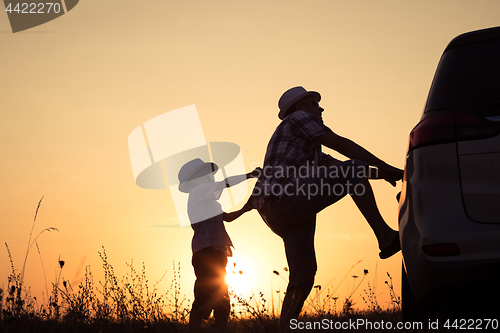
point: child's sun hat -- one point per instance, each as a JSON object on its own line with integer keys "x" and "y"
{"x": 194, "y": 169}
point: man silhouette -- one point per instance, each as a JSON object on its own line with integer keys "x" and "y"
{"x": 298, "y": 181}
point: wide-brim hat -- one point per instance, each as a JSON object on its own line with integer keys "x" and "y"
{"x": 192, "y": 170}
{"x": 292, "y": 96}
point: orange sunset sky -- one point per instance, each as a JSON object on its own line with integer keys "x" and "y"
{"x": 73, "y": 89}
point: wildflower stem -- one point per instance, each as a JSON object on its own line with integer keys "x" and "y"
{"x": 29, "y": 241}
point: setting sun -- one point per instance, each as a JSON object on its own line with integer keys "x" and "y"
{"x": 242, "y": 275}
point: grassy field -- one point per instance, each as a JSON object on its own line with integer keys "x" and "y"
{"x": 131, "y": 304}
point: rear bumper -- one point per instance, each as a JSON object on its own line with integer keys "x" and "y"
{"x": 431, "y": 212}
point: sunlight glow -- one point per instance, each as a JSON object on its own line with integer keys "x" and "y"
{"x": 242, "y": 274}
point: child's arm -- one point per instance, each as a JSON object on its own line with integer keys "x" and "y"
{"x": 230, "y": 181}
{"x": 229, "y": 217}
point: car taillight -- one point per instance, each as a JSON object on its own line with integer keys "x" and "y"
{"x": 441, "y": 250}
{"x": 433, "y": 129}
{"x": 472, "y": 127}
{"x": 451, "y": 126}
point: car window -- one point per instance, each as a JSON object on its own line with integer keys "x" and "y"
{"x": 468, "y": 78}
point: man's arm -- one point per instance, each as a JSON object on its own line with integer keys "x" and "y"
{"x": 354, "y": 151}
{"x": 348, "y": 148}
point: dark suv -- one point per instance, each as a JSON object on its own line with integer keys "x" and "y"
{"x": 449, "y": 209}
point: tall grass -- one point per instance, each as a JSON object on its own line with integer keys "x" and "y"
{"x": 131, "y": 303}
{"x": 129, "y": 300}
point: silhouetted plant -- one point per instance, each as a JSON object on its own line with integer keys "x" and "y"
{"x": 131, "y": 303}
{"x": 395, "y": 299}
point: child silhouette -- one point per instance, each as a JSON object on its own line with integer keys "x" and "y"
{"x": 211, "y": 244}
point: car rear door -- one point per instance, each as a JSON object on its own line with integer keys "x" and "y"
{"x": 470, "y": 86}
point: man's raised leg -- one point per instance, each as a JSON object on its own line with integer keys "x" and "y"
{"x": 388, "y": 239}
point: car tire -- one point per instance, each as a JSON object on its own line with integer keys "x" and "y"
{"x": 411, "y": 308}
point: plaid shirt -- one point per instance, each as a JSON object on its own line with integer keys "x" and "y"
{"x": 290, "y": 148}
